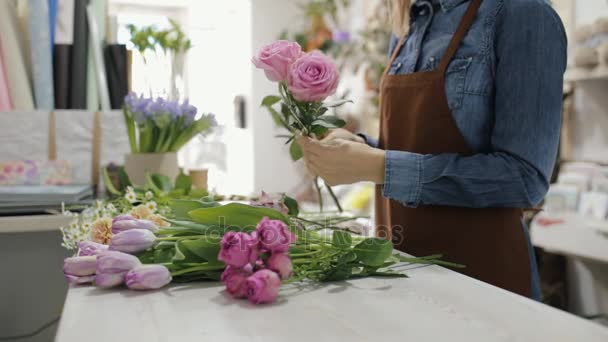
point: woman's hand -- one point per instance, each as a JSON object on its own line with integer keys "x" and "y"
{"x": 341, "y": 133}
{"x": 341, "y": 161}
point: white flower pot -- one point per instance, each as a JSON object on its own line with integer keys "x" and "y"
{"x": 138, "y": 164}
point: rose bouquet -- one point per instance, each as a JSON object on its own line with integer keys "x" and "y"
{"x": 305, "y": 81}
{"x": 253, "y": 250}
{"x": 162, "y": 126}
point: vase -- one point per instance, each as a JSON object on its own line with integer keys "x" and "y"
{"x": 178, "y": 80}
{"x": 138, "y": 164}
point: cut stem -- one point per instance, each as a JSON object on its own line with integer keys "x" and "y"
{"x": 319, "y": 194}
{"x": 333, "y": 196}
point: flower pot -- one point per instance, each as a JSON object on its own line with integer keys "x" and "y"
{"x": 138, "y": 164}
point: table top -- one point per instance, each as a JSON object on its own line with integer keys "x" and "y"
{"x": 434, "y": 304}
{"x": 575, "y": 236}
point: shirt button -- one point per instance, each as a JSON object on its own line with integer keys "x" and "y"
{"x": 398, "y": 66}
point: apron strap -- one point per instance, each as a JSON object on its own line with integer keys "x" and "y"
{"x": 394, "y": 55}
{"x": 463, "y": 28}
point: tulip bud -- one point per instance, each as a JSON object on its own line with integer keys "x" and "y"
{"x": 280, "y": 263}
{"x": 86, "y": 248}
{"x": 148, "y": 277}
{"x": 116, "y": 262}
{"x": 79, "y": 266}
{"x": 133, "y": 241}
{"x": 107, "y": 280}
{"x": 122, "y": 217}
{"x": 128, "y": 224}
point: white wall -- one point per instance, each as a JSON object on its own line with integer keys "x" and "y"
{"x": 273, "y": 169}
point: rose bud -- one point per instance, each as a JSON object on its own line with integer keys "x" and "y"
{"x": 235, "y": 278}
{"x": 107, "y": 280}
{"x": 86, "y": 248}
{"x": 75, "y": 280}
{"x": 79, "y": 266}
{"x": 132, "y": 241}
{"x": 148, "y": 277}
{"x": 116, "y": 262}
{"x": 280, "y": 263}
{"x": 238, "y": 249}
{"x": 124, "y": 225}
{"x": 263, "y": 287}
{"x": 274, "y": 235}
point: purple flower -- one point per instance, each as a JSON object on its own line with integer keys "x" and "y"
{"x": 341, "y": 36}
{"x": 87, "y": 248}
{"x": 115, "y": 262}
{"x": 235, "y": 279}
{"x": 313, "y": 77}
{"x": 148, "y": 277}
{"x": 80, "y": 265}
{"x": 133, "y": 241}
{"x": 123, "y": 217}
{"x": 274, "y": 236}
{"x": 76, "y": 280}
{"x": 131, "y": 100}
{"x": 129, "y": 224}
{"x": 280, "y": 263}
{"x": 174, "y": 108}
{"x": 238, "y": 249}
{"x": 107, "y": 280}
{"x": 189, "y": 112}
{"x": 263, "y": 287}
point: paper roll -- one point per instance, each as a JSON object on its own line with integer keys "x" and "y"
{"x": 13, "y": 58}
{"x": 5, "y": 97}
{"x": 41, "y": 54}
{"x": 98, "y": 9}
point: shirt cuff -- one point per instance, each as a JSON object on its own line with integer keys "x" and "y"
{"x": 403, "y": 177}
{"x": 369, "y": 140}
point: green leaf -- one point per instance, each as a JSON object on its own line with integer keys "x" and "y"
{"x": 235, "y": 214}
{"x": 329, "y": 121}
{"x": 183, "y": 182}
{"x": 183, "y": 254}
{"x": 319, "y": 130}
{"x": 373, "y": 251}
{"x": 198, "y": 193}
{"x": 164, "y": 255}
{"x": 341, "y": 239}
{"x": 180, "y": 208}
{"x": 108, "y": 183}
{"x": 206, "y": 248}
{"x": 295, "y": 151}
{"x": 270, "y": 100}
{"x": 277, "y": 118}
{"x": 124, "y": 177}
{"x": 338, "y": 103}
{"x": 292, "y": 205}
{"x": 161, "y": 181}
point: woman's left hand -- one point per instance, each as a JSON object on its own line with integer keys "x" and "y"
{"x": 342, "y": 161}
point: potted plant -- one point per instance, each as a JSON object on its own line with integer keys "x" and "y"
{"x": 157, "y": 130}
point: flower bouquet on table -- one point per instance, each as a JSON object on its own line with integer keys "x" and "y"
{"x": 305, "y": 80}
{"x": 157, "y": 129}
{"x": 253, "y": 249}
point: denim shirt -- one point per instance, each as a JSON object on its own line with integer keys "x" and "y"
{"x": 504, "y": 89}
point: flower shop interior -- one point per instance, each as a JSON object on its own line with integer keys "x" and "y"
{"x": 134, "y": 125}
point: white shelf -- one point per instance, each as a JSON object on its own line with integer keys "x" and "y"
{"x": 581, "y": 75}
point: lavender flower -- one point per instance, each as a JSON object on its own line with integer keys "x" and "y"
{"x": 79, "y": 266}
{"x": 116, "y": 262}
{"x": 148, "y": 277}
{"x": 341, "y": 36}
{"x": 174, "y": 108}
{"x": 189, "y": 112}
{"x": 88, "y": 248}
{"x": 124, "y": 225}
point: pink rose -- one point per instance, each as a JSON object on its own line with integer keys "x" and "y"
{"x": 313, "y": 77}
{"x": 263, "y": 287}
{"x": 280, "y": 263}
{"x": 275, "y": 59}
{"x": 238, "y": 249}
{"x": 274, "y": 235}
{"x": 235, "y": 280}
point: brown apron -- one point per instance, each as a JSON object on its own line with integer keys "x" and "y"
{"x": 415, "y": 117}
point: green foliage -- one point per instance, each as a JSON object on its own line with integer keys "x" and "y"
{"x": 295, "y": 151}
{"x": 235, "y": 214}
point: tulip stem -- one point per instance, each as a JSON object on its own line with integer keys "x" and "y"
{"x": 296, "y": 255}
{"x": 175, "y": 238}
{"x": 198, "y": 268}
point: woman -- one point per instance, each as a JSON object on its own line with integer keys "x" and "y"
{"x": 470, "y": 121}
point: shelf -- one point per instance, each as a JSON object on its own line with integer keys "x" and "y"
{"x": 581, "y": 75}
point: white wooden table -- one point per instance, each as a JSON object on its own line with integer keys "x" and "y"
{"x": 434, "y": 304}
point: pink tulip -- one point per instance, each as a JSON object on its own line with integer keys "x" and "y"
{"x": 75, "y": 280}
{"x": 238, "y": 249}
{"x": 133, "y": 241}
{"x": 87, "y": 248}
{"x": 79, "y": 266}
{"x": 280, "y": 263}
{"x": 274, "y": 235}
{"x": 107, "y": 280}
{"x": 263, "y": 287}
{"x": 275, "y": 59}
{"x": 148, "y": 277}
{"x": 235, "y": 279}
{"x": 313, "y": 77}
{"x": 127, "y": 224}
{"x": 116, "y": 262}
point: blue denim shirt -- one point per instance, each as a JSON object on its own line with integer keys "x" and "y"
{"x": 504, "y": 88}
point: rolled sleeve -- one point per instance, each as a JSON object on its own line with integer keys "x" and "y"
{"x": 403, "y": 177}
{"x": 369, "y": 140}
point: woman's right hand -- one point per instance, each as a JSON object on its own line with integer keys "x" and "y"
{"x": 341, "y": 133}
